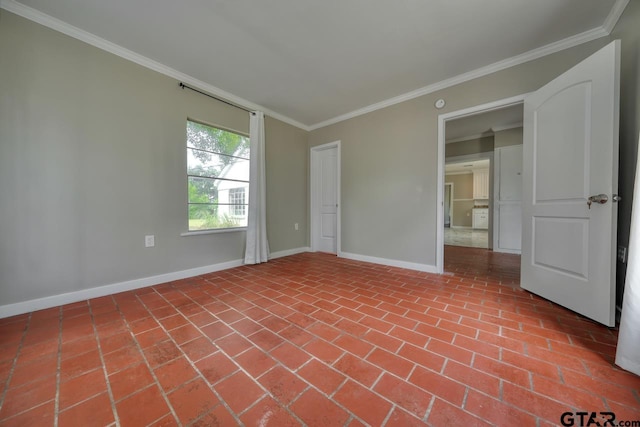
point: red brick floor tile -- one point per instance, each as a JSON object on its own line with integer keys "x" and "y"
{"x": 238, "y": 402}
{"x": 151, "y": 337}
{"x": 282, "y": 384}
{"x": 185, "y": 333}
{"x": 445, "y": 414}
{"x": 423, "y": 345}
{"x": 116, "y": 342}
{"x": 400, "y": 418}
{"x": 233, "y": 344}
{"x": 216, "y": 330}
{"x": 497, "y": 412}
{"x": 477, "y": 346}
{"x": 255, "y": 361}
{"x": 323, "y": 350}
{"x": 296, "y": 335}
{"x": 353, "y": 345}
{"x": 434, "y": 383}
{"x": 405, "y": 395}
{"x": 322, "y": 376}
{"x": 266, "y": 340}
{"x": 384, "y": 341}
{"x": 198, "y": 349}
{"x": 536, "y": 366}
{"x": 356, "y": 368}
{"x": 39, "y": 350}
{"x": 216, "y": 367}
{"x": 422, "y": 357}
{"x": 42, "y": 415}
{"x": 142, "y": 408}
{"x": 612, "y": 392}
{"x": 290, "y": 356}
{"x": 92, "y": 412}
{"x": 24, "y": 397}
{"x": 161, "y": 353}
{"x": 193, "y": 400}
{"x": 568, "y": 395}
{"x": 472, "y": 377}
{"x": 509, "y": 373}
{"x": 542, "y": 406}
{"x": 367, "y": 405}
{"x": 321, "y": 330}
{"x": 122, "y": 358}
{"x": 219, "y": 416}
{"x": 175, "y": 373}
{"x": 130, "y": 380}
{"x": 34, "y": 370}
{"x": 390, "y": 362}
{"x": 316, "y": 410}
{"x": 81, "y": 387}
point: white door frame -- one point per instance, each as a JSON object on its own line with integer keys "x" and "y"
{"x": 442, "y": 120}
{"x": 313, "y": 175}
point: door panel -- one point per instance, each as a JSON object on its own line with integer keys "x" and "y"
{"x": 571, "y": 153}
{"x": 325, "y": 194}
{"x": 562, "y": 144}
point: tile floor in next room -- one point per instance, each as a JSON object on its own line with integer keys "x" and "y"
{"x": 314, "y": 340}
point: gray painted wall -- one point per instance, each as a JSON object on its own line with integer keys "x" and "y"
{"x": 508, "y": 137}
{"x": 471, "y": 146}
{"x": 628, "y": 31}
{"x": 92, "y": 158}
{"x": 389, "y": 159}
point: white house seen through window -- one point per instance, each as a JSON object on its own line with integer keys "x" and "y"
{"x": 218, "y": 177}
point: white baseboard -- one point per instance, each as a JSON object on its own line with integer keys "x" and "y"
{"x": 288, "y": 252}
{"x": 507, "y": 251}
{"x": 100, "y": 291}
{"x": 390, "y": 262}
{"x": 461, "y": 227}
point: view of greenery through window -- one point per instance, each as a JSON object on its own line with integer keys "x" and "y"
{"x": 218, "y": 176}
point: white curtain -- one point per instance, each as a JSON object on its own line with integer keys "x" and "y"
{"x": 257, "y": 249}
{"x": 628, "y": 351}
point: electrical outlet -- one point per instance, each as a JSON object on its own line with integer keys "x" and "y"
{"x": 622, "y": 254}
{"x": 295, "y": 226}
{"x": 149, "y": 241}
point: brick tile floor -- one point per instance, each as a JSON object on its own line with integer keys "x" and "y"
{"x": 315, "y": 340}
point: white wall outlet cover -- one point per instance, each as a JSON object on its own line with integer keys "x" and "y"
{"x": 440, "y": 103}
{"x": 149, "y": 241}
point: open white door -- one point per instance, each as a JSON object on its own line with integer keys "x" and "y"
{"x": 570, "y": 156}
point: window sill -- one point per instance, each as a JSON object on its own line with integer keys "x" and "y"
{"x": 222, "y": 230}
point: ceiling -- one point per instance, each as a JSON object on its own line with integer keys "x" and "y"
{"x": 466, "y": 166}
{"x": 484, "y": 124}
{"x": 315, "y": 62}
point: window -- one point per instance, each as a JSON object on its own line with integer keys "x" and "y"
{"x": 236, "y": 202}
{"x": 218, "y": 177}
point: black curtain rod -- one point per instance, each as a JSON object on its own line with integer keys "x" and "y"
{"x": 184, "y": 86}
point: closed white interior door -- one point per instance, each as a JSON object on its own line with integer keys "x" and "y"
{"x": 570, "y": 155}
{"x": 508, "y": 204}
{"x": 325, "y": 198}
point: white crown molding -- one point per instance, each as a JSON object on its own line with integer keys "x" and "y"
{"x": 614, "y": 15}
{"x": 549, "y": 49}
{"x": 77, "y": 33}
{"x": 469, "y": 137}
{"x": 82, "y": 35}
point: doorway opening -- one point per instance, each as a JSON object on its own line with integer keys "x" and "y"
{"x": 471, "y": 144}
